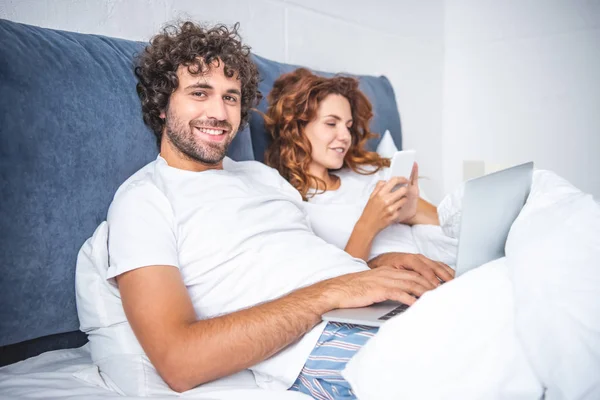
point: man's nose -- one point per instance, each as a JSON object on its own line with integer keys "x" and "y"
{"x": 216, "y": 109}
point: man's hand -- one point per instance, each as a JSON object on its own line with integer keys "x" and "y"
{"x": 431, "y": 270}
{"x": 365, "y": 288}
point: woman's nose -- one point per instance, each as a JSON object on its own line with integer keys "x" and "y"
{"x": 344, "y": 134}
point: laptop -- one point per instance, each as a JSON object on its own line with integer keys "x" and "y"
{"x": 490, "y": 205}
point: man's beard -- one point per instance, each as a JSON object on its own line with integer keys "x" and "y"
{"x": 182, "y": 137}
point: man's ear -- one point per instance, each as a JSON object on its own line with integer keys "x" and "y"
{"x": 163, "y": 115}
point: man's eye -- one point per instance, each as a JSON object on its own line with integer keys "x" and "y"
{"x": 198, "y": 94}
{"x": 230, "y": 99}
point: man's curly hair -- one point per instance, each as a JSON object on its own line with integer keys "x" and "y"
{"x": 197, "y": 48}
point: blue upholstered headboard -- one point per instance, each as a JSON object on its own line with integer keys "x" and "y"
{"x": 71, "y": 132}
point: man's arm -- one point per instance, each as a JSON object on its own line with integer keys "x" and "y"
{"x": 187, "y": 352}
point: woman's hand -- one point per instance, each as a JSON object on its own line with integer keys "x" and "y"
{"x": 409, "y": 210}
{"x": 387, "y": 206}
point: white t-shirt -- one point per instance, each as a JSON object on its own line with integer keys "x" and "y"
{"x": 334, "y": 213}
{"x": 239, "y": 236}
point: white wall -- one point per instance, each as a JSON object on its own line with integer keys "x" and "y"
{"x": 400, "y": 39}
{"x": 522, "y": 82}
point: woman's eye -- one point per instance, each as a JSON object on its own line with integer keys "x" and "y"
{"x": 330, "y": 123}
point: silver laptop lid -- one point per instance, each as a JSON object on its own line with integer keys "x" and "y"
{"x": 490, "y": 205}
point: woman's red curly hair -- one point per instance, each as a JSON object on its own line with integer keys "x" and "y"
{"x": 293, "y": 103}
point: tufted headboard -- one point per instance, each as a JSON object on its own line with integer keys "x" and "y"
{"x": 71, "y": 132}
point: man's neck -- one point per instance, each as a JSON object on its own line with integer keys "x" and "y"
{"x": 177, "y": 159}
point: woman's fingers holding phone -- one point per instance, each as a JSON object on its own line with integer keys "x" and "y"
{"x": 414, "y": 175}
{"x": 377, "y": 188}
{"x": 396, "y": 181}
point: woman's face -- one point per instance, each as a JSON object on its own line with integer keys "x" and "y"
{"x": 329, "y": 133}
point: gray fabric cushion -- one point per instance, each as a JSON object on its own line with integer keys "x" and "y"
{"x": 71, "y": 132}
{"x": 377, "y": 89}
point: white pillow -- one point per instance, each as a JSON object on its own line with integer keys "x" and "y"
{"x": 386, "y": 147}
{"x": 557, "y": 286}
{"x": 98, "y": 301}
{"x": 450, "y": 212}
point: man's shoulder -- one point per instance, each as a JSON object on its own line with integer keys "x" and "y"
{"x": 252, "y": 167}
{"x": 139, "y": 186}
{"x": 249, "y": 165}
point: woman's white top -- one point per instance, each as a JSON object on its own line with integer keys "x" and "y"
{"x": 334, "y": 213}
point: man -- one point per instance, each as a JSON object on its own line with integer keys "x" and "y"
{"x": 216, "y": 266}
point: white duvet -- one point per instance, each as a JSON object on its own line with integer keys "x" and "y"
{"x": 521, "y": 327}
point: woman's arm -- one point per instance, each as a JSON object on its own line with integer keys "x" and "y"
{"x": 426, "y": 214}
{"x": 383, "y": 208}
{"x": 361, "y": 239}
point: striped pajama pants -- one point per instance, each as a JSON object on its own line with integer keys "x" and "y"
{"x": 321, "y": 376}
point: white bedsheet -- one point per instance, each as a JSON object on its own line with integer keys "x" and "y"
{"x": 70, "y": 374}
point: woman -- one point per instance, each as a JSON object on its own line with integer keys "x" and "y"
{"x": 320, "y": 127}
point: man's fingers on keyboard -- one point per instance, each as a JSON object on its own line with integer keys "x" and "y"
{"x": 440, "y": 271}
{"x": 428, "y": 270}
{"x": 415, "y": 285}
{"x": 423, "y": 269}
{"x": 402, "y": 297}
{"x": 447, "y": 274}
{"x": 412, "y": 276}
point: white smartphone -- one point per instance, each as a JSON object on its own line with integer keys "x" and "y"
{"x": 402, "y": 164}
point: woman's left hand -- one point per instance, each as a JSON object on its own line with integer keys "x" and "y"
{"x": 409, "y": 209}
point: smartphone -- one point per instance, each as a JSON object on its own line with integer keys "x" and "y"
{"x": 402, "y": 164}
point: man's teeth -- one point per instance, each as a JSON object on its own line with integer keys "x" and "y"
{"x": 211, "y": 131}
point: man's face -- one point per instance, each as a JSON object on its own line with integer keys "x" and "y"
{"x": 204, "y": 114}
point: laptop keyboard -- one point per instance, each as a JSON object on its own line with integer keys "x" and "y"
{"x": 398, "y": 310}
